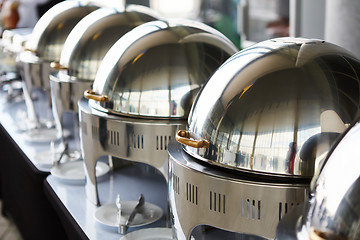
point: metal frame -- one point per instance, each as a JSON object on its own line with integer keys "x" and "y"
{"x": 65, "y": 94}
{"x": 35, "y": 75}
{"x": 138, "y": 140}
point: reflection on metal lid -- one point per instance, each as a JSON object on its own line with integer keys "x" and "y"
{"x": 53, "y": 27}
{"x": 277, "y": 107}
{"x": 89, "y": 41}
{"x": 156, "y": 70}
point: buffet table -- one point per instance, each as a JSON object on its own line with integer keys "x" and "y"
{"x": 23, "y": 196}
{"x": 44, "y": 206}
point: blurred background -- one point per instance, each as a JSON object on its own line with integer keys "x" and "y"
{"x": 244, "y": 22}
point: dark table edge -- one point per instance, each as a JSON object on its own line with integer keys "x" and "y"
{"x": 71, "y": 227}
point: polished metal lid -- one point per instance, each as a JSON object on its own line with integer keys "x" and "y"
{"x": 333, "y": 212}
{"x": 275, "y": 108}
{"x": 50, "y": 32}
{"x": 155, "y": 70}
{"x": 89, "y": 41}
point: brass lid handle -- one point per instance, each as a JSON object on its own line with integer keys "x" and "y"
{"x": 57, "y": 66}
{"x": 29, "y": 50}
{"x": 90, "y": 94}
{"x": 320, "y": 235}
{"x": 183, "y": 137}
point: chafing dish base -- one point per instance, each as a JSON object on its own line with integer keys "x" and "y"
{"x": 201, "y": 194}
{"x": 138, "y": 140}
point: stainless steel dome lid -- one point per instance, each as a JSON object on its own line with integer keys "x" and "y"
{"x": 333, "y": 211}
{"x": 51, "y": 30}
{"x": 275, "y": 108}
{"x": 89, "y": 41}
{"x": 155, "y": 70}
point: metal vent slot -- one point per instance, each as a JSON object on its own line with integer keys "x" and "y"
{"x": 217, "y": 202}
{"x": 192, "y": 193}
{"x": 84, "y": 128}
{"x": 95, "y": 132}
{"x": 118, "y": 138}
{"x": 250, "y": 209}
{"x": 162, "y": 142}
{"x": 285, "y": 207}
{"x": 137, "y": 141}
{"x": 113, "y": 137}
{"x": 176, "y": 184}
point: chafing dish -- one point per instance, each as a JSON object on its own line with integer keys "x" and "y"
{"x": 257, "y": 132}
{"x": 14, "y": 40}
{"x": 12, "y": 44}
{"x": 83, "y": 51}
{"x": 332, "y": 210}
{"x": 143, "y": 91}
{"x": 44, "y": 46}
{"x": 8, "y": 58}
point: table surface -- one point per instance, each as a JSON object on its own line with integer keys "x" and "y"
{"x": 128, "y": 181}
{"x": 13, "y": 119}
